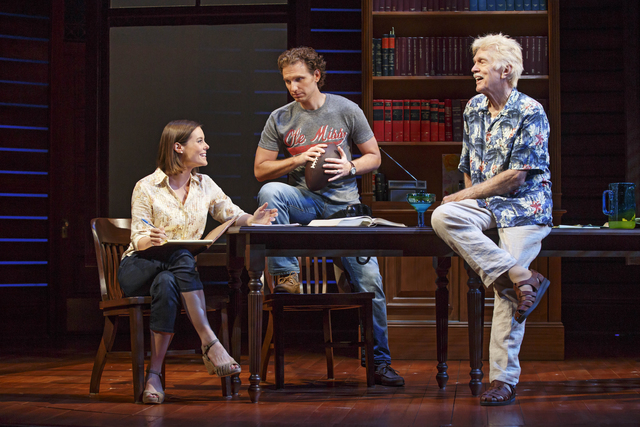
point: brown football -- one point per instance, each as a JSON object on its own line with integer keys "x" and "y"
{"x": 314, "y": 171}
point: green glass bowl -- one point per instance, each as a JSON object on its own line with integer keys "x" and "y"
{"x": 421, "y": 197}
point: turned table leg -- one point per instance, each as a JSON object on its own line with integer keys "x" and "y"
{"x": 475, "y": 307}
{"x": 442, "y": 266}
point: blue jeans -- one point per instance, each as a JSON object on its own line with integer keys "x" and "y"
{"x": 164, "y": 280}
{"x": 299, "y": 205}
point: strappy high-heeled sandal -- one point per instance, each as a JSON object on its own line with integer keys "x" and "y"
{"x": 222, "y": 370}
{"x": 153, "y": 397}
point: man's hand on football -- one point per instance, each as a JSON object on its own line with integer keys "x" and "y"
{"x": 339, "y": 167}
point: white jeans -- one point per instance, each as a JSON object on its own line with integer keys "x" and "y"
{"x": 461, "y": 225}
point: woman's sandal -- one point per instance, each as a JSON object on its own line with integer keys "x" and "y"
{"x": 153, "y": 397}
{"x": 528, "y": 300}
{"x": 498, "y": 394}
{"x": 222, "y": 370}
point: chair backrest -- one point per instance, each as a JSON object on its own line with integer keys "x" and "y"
{"x": 111, "y": 237}
{"x": 314, "y": 276}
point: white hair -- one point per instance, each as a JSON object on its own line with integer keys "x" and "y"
{"x": 503, "y": 51}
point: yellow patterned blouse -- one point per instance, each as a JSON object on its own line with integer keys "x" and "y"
{"x": 154, "y": 200}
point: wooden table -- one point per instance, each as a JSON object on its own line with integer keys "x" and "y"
{"x": 249, "y": 246}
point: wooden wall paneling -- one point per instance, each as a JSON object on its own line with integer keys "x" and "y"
{"x": 631, "y": 35}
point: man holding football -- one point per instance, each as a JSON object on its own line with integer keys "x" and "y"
{"x": 302, "y": 130}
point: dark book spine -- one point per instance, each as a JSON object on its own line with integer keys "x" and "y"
{"x": 473, "y": 5}
{"x": 482, "y": 5}
{"x": 424, "y": 5}
{"x": 491, "y": 5}
{"x": 385, "y": 55}
{"x": 527, "y": 4}
{"x": 518, "y": 4}
{"x": 456, "y": 119}
{"x": 420, "y": 57}
{"x": 393, "y": 5}
{"x": 388, "y": 122}
{"x": 433, "y": 57}
{"x": 392, "y": 54}
{"x": 400, "y": 55}
{"x": 545, "y": 55}
{"x": 441, "y": 124}
{"x": 543, "y": 4}
{"x": 448, "y": 122}
{"x": 433, "y": 105}
{"x": 501, "y": 5}
{"x": 378, "y": 119}
{"x": 427, "y": 62}
{"x": 539, "y": 47}
{"x": 466, "y": 5}
{"x": 377, "y": 57}
{"x": 510, "y": 5}
{"x": 425, "y": 120}
{"x": 414, "y": 56}
{"x": 406, "y": 120}
{"x": 414, "y": 127}
{"x": 535, "y": 4}
{"x": 442, "y": 63}
{"x": 397, "y": 114}
{"x": 376, "y": 5}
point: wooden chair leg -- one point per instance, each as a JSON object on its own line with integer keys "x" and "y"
{"x": 267, "y": 349}
{"x": 328, "y": 342}
{"x": 367, "y": 322}
{"x": 137, "y": 351}
{"x": 278, "y": 344}
{"x": 223, "y": 333}
{"x": 106, "y": 343}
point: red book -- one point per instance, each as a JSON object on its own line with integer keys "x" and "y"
{"x": 388, "y": 127}
{"x": 396, "y": 117}
{"x": 441, "y": 136}
{"x": 425, "y": 120}
{"x": 378, "y": 119}
{"x": 406, "y": 120}
{"x": 415, "y": 120}
{"x": 434, "y": 119}
{"x": 448, "y": 123}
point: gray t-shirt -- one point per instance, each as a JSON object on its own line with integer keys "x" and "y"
{"x": 293, "y": 130}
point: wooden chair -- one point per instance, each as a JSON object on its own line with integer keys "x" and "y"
{"x": 314, "y": 297}
{"x": 111, "y": 237}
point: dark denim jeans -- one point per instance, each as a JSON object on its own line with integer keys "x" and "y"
{"x": 163, "y": 279}
{"x": 297, "y": 205}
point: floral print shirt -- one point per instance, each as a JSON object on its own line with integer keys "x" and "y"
{"x": 515, "y": 139}
{"x": 155, "y": 201}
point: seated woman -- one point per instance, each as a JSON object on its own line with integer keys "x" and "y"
{"x": 174, "y": 201}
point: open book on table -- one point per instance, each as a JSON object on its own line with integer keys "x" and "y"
{"x": 194, "y": 246}
{"x": 354, "y": 221}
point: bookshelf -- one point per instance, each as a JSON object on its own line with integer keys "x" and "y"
{"x": 410, "y": 284}
{"x": 423, "y": 159}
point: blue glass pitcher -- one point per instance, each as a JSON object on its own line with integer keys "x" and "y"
{"x": 622, "y": 204}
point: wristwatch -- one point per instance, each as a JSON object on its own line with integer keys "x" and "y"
{"x": 352, "y": 171}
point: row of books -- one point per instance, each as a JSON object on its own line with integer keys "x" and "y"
{"x": 446, "y": 56}
{"x": 418, "y": 120}
{"x": 456, "y": 5}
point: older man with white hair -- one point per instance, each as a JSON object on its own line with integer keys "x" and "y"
{"x": 505, "y": 162}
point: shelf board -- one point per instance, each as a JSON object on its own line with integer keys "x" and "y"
{"x": 420, "y": 143}
{"x": 438, "y": 14}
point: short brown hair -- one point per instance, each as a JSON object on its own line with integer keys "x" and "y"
{"x": 176, "y": 131}
{"x": 307, "y": 55}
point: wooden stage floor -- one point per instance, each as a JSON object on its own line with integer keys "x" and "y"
{"x": 51, "y": 388}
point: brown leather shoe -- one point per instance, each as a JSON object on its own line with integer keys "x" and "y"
{"x": 289, "y": 284}
{"x": 498, "y": 394}
{"x": 528, "y": 300}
